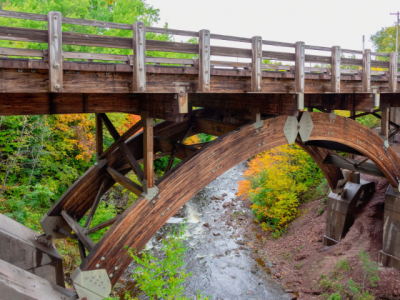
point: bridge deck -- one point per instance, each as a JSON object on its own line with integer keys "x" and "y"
{"x": 55, "y": 81}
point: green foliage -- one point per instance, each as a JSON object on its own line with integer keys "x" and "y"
{"x": 351, "y": 289}
{"x": 370, "y": 269}
{"x": 274, "y": 183}
{"x": 343, "y": 264}
{"x": 335, "y": 296}
{"x": 384, "y": 40}
{"x": 163, "y": 278}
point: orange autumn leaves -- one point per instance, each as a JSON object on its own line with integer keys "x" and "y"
{"x": 273, "y": 181}
{"x": 81, "y": 130}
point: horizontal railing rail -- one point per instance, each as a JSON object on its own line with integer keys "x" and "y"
{"x": 139, "y": 45}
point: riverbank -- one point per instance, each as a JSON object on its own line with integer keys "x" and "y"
{"x": 299, "y": 261}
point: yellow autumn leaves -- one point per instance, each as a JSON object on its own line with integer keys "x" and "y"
{"x": 273, "y": 182}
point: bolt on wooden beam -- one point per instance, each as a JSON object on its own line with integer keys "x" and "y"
{"x": 204, "y": 60}
{"x": 393, "y": 72}
{"x": 139, "y": 57}
{"x": 55, "y": 52}
{"x": 256, "y": 71}
{"x": 366, "y": 71}
{"x": 335, "y": 76}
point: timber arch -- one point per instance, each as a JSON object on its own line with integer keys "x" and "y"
{"x": 142, "y": 220}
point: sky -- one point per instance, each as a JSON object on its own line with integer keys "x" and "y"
{"x": 319, "y": 23}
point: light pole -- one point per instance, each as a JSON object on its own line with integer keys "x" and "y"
{"x": 397, "y": 35}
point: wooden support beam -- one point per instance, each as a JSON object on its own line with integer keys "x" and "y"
{"x": 173, "y": 152}
{"x": 385, "y": 119}
{"x": 335, "y": 74}
{"x": 256, "y": 71}
{"x": 82, "y": 236}
{"x": 393, "y": 72}
{"x": 366, "y": 71}
{"x": 99, "y": 137}
{"x": 139, "y": 57}
{"x": 299, "y": 77}
{"x": 125, "y": 182}
{"x": 275, "y": 104}
{"x": 350, "y": 164}
{"x": 255, "y": 114}
{"x": 127, "y": 153}
{"x": 167, "y": 146}
{"x": 204, "y": 61}
{"x": 95, "y": 204}
{"x": 55, "y": 52}
{"x": 131, "y": 131}
{"x": 390, "y": 122}
{"x": 82, "y": 252}
{"x": 212, "y": 127}
{"x": 148, "y": 149}
{"x": 103, "y": 225}
{"x": 110, "y": 127}
{"x": 354, "y": 116}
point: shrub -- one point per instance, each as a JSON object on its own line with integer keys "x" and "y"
{"x": 273, "y": 183}
{"x": 163, "y": 278}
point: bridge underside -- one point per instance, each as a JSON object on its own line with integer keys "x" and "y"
{"x": 200, "y": 164}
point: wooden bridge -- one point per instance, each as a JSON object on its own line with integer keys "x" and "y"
{"x": 250, "y": 106}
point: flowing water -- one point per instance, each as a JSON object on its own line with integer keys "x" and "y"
{"x": 218, "y": 255}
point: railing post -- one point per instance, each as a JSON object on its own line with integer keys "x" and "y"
{"x": 256, "y": 66}
{"x": 366, "y": 71}
{"x": 393, "y": 72}
{"x": 148, "y": 146}
{"x": 335, "y": 76}
{"x": 139, "y": 57}
{"x": 299, "y": 76}
{"x": 55, "y": 52}
{"x": 204, "y": 60}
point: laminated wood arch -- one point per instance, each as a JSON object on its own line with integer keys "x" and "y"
{"x": 143, "y": 219}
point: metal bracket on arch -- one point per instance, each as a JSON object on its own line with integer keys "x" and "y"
{"x": 293, "y": 127}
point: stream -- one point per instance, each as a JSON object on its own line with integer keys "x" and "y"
{"x": 218, "y": 256}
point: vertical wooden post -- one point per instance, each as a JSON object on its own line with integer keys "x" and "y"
{"x": 385, "y": 117}
{"x": 148, "y": 148}
{"x": 366, "y": 71}
{"x": 256, "y": 71}
{"x": 99, "y": 136}
{"x": 255, "y": 114}
{"x": 204, "y": 60}
{"x": 335, "y": 76}
{"x": 299, "y": 67}
{"x": 393, "y": 72}
{"x": 55, "y": 52}
{"x": 139, "y": 57}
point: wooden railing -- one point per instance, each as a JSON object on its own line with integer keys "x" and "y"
{"x": 55, "y": 38}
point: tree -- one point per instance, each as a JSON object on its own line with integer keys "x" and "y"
{"x": 384, "y": 40}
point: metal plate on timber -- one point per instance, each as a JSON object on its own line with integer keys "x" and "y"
{"x": 151, "y": 193}
{"x": 290, "y": 129}
{"x": 94, "y": 285}
{"x": 50, "y": 224}
{"x": 306, "y": 126}
{"x": 258, "y": 124}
